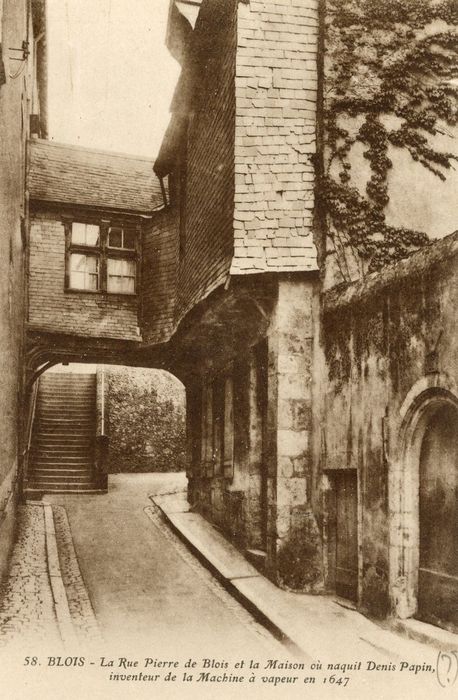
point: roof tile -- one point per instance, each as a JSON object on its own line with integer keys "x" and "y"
{"x": 74, "y": 175}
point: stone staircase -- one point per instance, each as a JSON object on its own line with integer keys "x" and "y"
{"x": 62, "y": 450}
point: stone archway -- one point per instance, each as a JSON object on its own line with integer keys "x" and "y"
{"x": 424, "y": 508}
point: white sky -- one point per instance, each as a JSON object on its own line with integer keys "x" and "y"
{"x": 111, "y": 78}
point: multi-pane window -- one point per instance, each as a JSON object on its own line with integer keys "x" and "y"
{"x": 120, "y": 276}
{"x": 101, "y": 257}
{"x": 84, "y": 272}
{"x": 121, "y": 237}
{"x": 85, "y": 234}
{"x": 84, "y": 265}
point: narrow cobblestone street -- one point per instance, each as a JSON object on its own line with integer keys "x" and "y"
{"x": 146, "y": 589}
{"x": 132, "y": 590}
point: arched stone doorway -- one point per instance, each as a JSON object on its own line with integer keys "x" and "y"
{"x": 438, "y": 518}
{"x": 424, "y": 498}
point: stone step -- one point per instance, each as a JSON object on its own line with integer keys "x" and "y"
{"x": 59, "y": 476}
{"x": 63, "y": 459}
{"x": 51, "y": 481}
{"x": 65, "y": 415}
{"x": 66, "y": 420}
{"x": 60, "y": 396}
{"x": 85, "y": 384}
{"x": 41, "y": 464}
{"x": 62, "y": 391}
{"x": 54, "y": 379}
{"x": 35, "y": 493}
{"x": 64, "y": 435}
{"x": 72, "y": 449}
{"x": 49, "y": 471}
{"x": 61, "y": 443}
{"x": 61, "y": 488}
{"x": 84, "y": 407}
{"x": 55, "y": 446}
{"x": 64, "y": 426}
{"x": 83, "y": 381}
{"x": 51, "y": 426}
{"x": 80, "y": 463}
{"x": 67, "y": 397}
{"x": 58, "y": 452}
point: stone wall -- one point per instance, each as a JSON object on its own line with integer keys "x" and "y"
{"x": 53, "y": 308}
{"x": 293, "y": 539}
{"x": 145, "y": 420}
{"x": 262, "y": 496}
{"x": 275, "y": 125}
{"x": 386, "y": 342}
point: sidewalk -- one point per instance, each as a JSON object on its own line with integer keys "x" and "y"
{"x": 43, "y": 600}
{"x": 314, "y": 625}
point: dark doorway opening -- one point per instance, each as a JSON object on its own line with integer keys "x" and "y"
{"x": 438, "y": 512}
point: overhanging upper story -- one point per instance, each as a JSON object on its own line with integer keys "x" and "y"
{"x": 239, "y": 148}
{"x": 88, "y": 212}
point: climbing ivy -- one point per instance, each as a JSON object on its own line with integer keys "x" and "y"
{"x": 388, "y": 68}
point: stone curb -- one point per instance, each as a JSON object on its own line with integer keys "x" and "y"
{"x": 63, "y": 616}
{"x": 82, "y": 613}
{"x": 426, "y": 634}
{"x": 408, "y": 629}
{"x": 248, "y": 602}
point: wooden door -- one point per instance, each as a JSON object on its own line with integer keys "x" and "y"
{"x": 438, "y": 570}
{"x": 346, "y": 534}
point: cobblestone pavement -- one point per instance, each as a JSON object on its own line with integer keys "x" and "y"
{"x": 27, "y": 616}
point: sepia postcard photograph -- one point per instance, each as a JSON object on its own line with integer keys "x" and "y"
{"x": 228, "y": 349}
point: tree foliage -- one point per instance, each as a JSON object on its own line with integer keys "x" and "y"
{"x": 389, "y": 69}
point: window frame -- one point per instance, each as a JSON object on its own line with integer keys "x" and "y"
{"x": 102, "y": 251}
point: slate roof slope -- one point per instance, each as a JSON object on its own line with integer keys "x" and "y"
{"x": 69, "y": 174}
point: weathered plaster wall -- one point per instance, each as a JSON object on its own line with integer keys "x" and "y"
{"x": 418, "y": 199}
{"x": 145, "y": 420}
{"x": 13, "y": 130}
{"x": 380, "y": 338}
{"x": 52, "y": 308}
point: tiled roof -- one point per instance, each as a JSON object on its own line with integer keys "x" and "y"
{"x": 73, "y": 175}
